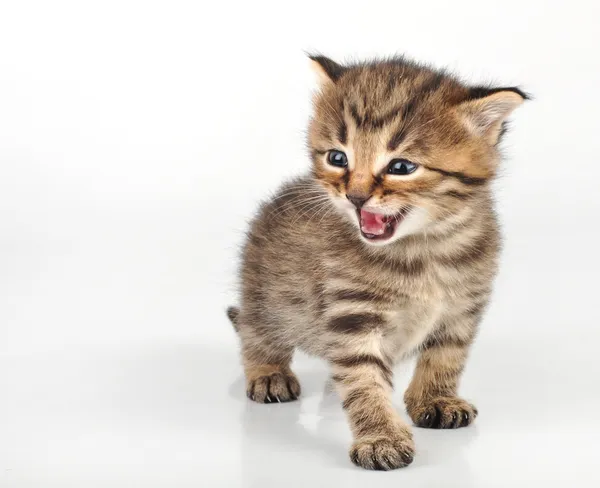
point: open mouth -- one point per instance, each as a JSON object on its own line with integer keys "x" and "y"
{"x": 377, "y": 226}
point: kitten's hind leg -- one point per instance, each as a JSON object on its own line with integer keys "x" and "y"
{"x": 271, "y": 383}
{"x": 269, "y": 378}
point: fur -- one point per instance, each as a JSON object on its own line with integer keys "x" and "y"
{"x": 311, "y": 281}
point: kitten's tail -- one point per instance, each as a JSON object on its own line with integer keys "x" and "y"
{"x": 233, "y": 313}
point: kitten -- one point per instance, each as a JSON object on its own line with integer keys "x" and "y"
{"x": 389, "y": 247}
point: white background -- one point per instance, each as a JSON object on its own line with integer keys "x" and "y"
{"x": 137, "y": 137}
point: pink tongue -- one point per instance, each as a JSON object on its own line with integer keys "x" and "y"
{"x": 372, "y": 223}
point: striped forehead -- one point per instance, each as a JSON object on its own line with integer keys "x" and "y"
{"x": 370, "y": 138}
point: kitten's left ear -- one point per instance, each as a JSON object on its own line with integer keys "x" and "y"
{"x": 487, "y": 110}
{"x": 327, "y": 70}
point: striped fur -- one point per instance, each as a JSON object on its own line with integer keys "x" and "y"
{"x": 310, "y": 281}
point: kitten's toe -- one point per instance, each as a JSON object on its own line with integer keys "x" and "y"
{"x": 443, "y": 413}
{"x": 276, "y": 387}
{"x": 383, "y": 453}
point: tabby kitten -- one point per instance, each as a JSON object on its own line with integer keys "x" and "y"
{"x": 388, "y": 248}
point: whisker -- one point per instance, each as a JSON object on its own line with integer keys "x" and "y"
{"x": 301, "y": 201}
{"x": 310, "y": 207}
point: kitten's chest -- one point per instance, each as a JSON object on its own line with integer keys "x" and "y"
{"x": 412, "y": 321}
{"x": 411, "y": 324}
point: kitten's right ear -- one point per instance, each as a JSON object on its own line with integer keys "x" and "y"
{"x": 327, "y": 70}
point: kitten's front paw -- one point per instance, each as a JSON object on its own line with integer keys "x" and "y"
{"x": 383, "y": 453}
{"x": 442, "y": 413}
{"x": 273, "y": 388}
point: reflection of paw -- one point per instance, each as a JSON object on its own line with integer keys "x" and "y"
{"x": 273, "y": 388}
{"x": 442, "y": 413}
{"x": 383, "y": 453}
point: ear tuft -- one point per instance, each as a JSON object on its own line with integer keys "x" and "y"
{"x": 488, "y": 108}
{"x": 327, "y": 70}
{"x": 485, "y": 91}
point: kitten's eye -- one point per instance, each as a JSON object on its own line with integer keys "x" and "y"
{"x": 337, "y": 158}
{"x": 401, "y": 167}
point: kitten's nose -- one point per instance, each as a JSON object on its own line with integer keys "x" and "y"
{"x": 357, "y": 200}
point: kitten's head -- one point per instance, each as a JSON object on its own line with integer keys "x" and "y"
{"x": 402, "y": 148}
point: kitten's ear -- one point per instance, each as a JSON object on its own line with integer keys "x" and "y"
{"x": 487, "y": 109}
{"x": 327, "y": 70}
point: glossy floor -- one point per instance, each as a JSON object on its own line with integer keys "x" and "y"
{"x": 174, "y": 414}
{"x": 136, "y": 139}
{"x": 119, "y": 368}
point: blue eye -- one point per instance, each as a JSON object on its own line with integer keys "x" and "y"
{"x": 337, "y": 158}
{"x": 401, "y": 167}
